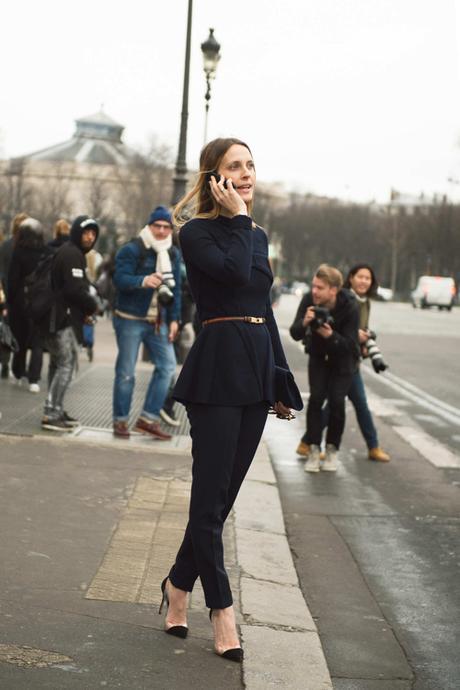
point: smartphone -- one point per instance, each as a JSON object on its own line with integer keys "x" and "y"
{"x": 215, "y": 174}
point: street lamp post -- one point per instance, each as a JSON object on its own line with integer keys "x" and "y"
{"x": 211, "y": 56}
{"x": 180, "y": 173}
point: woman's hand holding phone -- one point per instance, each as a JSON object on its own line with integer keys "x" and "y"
{"x": 226, "y": 195}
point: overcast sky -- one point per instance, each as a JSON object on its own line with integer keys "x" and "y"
{"x": 338, "y": 97}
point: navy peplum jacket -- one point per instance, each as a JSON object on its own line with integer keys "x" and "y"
{"x": 232, "y": 362}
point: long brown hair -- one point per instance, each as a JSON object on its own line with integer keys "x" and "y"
{"x": 198, "y": 202}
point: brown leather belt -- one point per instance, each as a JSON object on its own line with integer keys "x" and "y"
{"x": 247, "y": 319}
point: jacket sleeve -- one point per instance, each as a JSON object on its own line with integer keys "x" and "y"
{"x": 346, "y": 342}
{"x": 13, "y": 283}
{"x": 297, "y": 329}
{"x": 125, "y": 278}
{"x": 231, "y": 267}
{"x": 174, "y": 310}
{"x": 75, "y": 287}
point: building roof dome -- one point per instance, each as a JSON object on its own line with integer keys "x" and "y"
{"x": 96, "y": 140}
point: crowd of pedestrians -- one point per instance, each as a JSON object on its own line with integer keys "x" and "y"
{"x": 51, "y": 294}
{"x": 144, "y": 287}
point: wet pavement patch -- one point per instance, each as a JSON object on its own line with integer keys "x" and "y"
{"x": 27, "y": 657}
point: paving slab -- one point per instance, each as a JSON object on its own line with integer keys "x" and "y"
{"x": 258, "y": 508}
{"x": 275, "y": 604}
{"x": 298, "y": 663}
{"x": 261, "y": 469}
{"x": 265, "y": 556}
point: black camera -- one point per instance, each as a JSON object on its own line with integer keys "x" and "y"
{"x": 322, "y": 317}
{"x": 374, "y": 353}
{"x": 165, "y": 291}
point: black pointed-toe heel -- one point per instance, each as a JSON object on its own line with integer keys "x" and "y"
{"x": 234, "y": 654}
{"x": 176, "y": 630}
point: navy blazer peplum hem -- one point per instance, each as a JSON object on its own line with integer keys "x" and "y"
{"x": 231, "y": 362}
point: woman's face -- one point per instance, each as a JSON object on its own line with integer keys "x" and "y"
{"x": 237, "y": 164}
{"x": 361, "y": 281}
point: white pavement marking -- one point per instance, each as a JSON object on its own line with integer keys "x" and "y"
{"x": 432, "y": 419}
{"x": 411, "y": 392}
{"x": 431, "y": 449}
{"x": 383, "y": 407}
{"x": 281, "y": 643}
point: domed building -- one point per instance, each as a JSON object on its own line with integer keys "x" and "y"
{"x": 96, "y": 141}
{"x": 93, "y": 172}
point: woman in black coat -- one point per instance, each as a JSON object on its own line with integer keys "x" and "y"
{"x": 29, "y": 248}
{"x": 228, "y": 380}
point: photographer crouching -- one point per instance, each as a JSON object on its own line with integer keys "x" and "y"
{"x": 327, "y": 322}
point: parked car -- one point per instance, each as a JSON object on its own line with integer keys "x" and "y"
{"x": 299, "y": 288}
{"x": 384, "y": 294}
{"x": 434, "y": 291}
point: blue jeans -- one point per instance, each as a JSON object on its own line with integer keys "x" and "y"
{"x": 130, "y": 334}
{"x": 357, "y": 397}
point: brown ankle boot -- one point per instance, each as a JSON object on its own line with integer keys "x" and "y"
{"x": 120, "y": 430}
{"x": 152, "y": 428}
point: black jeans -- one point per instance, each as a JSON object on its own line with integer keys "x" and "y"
{"x": 224, "y": 441}
{"x": 357, "y": 396}
{"x": 28, "y": 339}
{"x": 326, "y": 383}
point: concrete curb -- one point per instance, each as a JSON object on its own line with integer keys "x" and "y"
{"x": 281, "y": 642}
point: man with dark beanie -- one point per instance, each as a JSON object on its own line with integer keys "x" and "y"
{"x": 73, "y": 305}
{"x": 147, "y": 310}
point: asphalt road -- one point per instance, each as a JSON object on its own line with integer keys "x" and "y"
{"x": 376, "y": 545}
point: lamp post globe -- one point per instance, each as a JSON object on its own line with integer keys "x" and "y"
{"x": 211, "y": 56}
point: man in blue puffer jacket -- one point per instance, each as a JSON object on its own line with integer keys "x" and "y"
{"x": 147, "y": 310}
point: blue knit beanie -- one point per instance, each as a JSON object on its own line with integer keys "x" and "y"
{"x": 159, "y": 213}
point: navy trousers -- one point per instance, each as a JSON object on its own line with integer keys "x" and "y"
{"x": 224, "y": 442}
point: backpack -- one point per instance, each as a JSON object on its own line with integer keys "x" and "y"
{"x": 39, "y": 296}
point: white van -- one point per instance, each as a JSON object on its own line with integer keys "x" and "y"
{"x": 434, "y": 291}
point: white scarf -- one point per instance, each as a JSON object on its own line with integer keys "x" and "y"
{"x": 363, "y": 300}
{"x": 160, "y": 247}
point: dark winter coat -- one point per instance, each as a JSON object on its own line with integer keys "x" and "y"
{"x": 231, "y": 362}
{"x": 58, "y": 242}
{"x": 71, "y": 285}
{"x": 342, "y": 349}
{"x": 24, "y": 260}
{"x": 6, "y": 252}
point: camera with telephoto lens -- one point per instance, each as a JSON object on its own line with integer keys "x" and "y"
{"x": 374, "y": 353}
{"x": 322, "y": 317}
{"x": 165, "y": 291}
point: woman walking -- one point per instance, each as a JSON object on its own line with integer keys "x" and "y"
{"x": 362, "y": 283}
{"x": 228, "y": 380}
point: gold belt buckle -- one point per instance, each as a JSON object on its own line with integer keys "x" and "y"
{"x": 255, "y": 319}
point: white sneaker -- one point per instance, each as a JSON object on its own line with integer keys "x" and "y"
{"x": 34, "y": 388}
{"x": 330, "y": 461}
{"x": 313, "y": 462}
